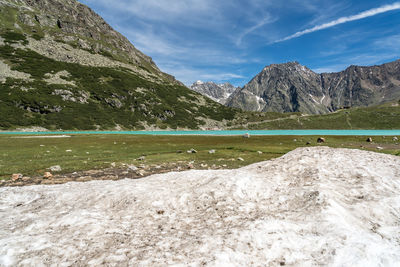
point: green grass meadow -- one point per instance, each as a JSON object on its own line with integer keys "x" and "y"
{"x": 32, "y": 156}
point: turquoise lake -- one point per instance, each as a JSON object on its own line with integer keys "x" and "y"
{"x": 228, "y": 132}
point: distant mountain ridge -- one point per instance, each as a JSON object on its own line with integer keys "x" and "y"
{"x": 217, "y": 92}
{"x": 291, "y": 87}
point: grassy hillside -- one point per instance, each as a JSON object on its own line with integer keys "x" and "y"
{"x": 379, "y": 117}
{"x": 93, "y": 97}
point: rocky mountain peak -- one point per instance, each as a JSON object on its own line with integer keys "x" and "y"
{"x": 75, "y": 24}
{"x": 217, "y": 92}
{"x": 292, "y": 87}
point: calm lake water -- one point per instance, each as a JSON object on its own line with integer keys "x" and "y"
{"x": 228, "y": 132}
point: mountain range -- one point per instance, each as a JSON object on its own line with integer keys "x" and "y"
{"x": 217, "y": 92}
{"x": 291, "y": 87}
{"x": 63, "y": 67}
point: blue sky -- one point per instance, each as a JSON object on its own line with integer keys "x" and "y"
{"x": 234, "y": 40}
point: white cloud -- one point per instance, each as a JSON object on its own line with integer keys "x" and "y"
{"x": 362, "y": 15}
{"x": 190, "y": 75}
{"x": 262, "y": 23}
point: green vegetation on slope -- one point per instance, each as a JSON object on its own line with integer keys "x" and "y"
{"x": 379, "y": 117}
{"x": 32, "y": 156}
{"x": 100, "y": 99}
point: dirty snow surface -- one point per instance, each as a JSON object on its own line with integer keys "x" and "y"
{"x": 313, "y": 206}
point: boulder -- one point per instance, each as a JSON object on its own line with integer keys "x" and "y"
{"x": 192, "y": 151}
{"x": 321, "y": 140}
{"x": 132, "y": 168}
{"x": 395, "y": 138}
{"x": 16, "y": 177}
{"x": 212, "y": 151}
{"x": 48, "y": 175}
{"x": 246, "y": 135}
{"x": 56, "y": 168}
{"x": 141, "y": 158}
{"x": 369, "y": 140}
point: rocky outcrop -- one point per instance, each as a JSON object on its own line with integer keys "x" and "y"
{"x": 291, "y": 87}
{"x": 73, "y": 23}
{"x": 217, "y": 92}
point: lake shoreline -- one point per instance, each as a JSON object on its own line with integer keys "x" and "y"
{"x": 220, "y": 133}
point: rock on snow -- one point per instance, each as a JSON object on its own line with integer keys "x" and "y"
{"x": 313, "y": 206}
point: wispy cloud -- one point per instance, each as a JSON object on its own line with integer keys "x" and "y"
{"x": 362, "y": 15}
{"x": 262, "y": 23}
{"x": 189, "y": 75}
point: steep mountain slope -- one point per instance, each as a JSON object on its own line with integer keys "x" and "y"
{"x": 63, "y": 67}
{"x": 217, "y": 92}
{"x": 291, "y": 87}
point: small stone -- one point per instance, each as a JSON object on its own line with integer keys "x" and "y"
{"x": 204, "y": 165}
{"x": 132, "y": 168}
{"x": 246, "y": 135}
{"x": 26, "y": 179}
{"x": 192, "y": 151}
{"x": 113, "y": 164}
{"x": 68, "y": 150}
{"x": 369, "y": 140}
{"x": 190, "y": 166}
{"x": 320, "y": 140}
{"x": 56, "y": 168}
{"x": 294, "y": 140}
{"x": 141, "y": 173}
{"x": 16, "y": 176}
{"x": 379, "y": 148}
{"x": 308, "y": 143}
{"x": 179, "y": 151}
{"x": 141, "y": 158}
{"x": 48, "y": 175}
{"x": 212, "y": 151}
{"x": 259, "y": 152}
{"x": 395, "y": 138}
{"x": 240, "y": 159}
